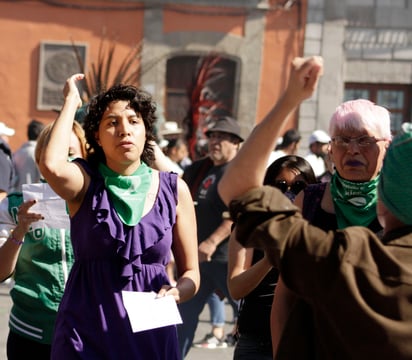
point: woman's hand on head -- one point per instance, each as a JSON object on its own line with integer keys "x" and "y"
{"x": 71, "y": 90}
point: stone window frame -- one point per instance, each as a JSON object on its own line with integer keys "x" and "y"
{"x": 57, "y": 61}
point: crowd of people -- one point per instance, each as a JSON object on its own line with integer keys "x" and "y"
{"x": 311, "y": 252}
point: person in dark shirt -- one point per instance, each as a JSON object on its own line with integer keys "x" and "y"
{"x": 251, "y": 276}
{"x": 213, "y": 229}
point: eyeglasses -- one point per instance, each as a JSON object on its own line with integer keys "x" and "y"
{"x": 362, "y": 141}
{"x": 296, "y": 187}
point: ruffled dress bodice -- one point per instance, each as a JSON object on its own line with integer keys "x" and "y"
{"x": 110, "y": 257}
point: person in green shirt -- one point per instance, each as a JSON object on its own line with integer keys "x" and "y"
{"x": 39, "y": 261}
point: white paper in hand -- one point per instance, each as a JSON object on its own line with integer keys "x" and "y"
{"x": 49, "y": 204}
{"x": 147, "y": 312}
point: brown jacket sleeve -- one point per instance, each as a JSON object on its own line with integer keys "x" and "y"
{"x": 307, "y": 256}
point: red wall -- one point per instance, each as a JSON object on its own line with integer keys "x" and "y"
{"x": 23, "y": 25}
{"x": 284, "y": 39}
{"x": 227, "y": 22}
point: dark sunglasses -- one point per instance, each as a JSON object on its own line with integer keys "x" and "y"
{"x": 296, "y": 187}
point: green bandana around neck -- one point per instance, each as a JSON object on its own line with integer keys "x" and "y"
{"x": 128, "y": 193}
{"x": 355, "y": 203}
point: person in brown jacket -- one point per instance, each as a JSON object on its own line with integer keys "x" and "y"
{"x": 358, "y": 285}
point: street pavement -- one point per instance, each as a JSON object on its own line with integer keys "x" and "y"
{"x": 5, "y": 304}
{"x": 204, "y": 328}
{"x": 194, "y": 354}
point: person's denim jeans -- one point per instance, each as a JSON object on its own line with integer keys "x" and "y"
{"x": 217, "y": 310}
{"x": 213, "y": 276}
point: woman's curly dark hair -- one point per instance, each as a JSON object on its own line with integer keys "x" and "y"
{"x": 140, "y": 101}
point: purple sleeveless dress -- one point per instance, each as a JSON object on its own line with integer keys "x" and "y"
{"x": 110, "y": 257}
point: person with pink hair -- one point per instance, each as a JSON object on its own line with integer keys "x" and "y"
{"x": 360, "y": 135}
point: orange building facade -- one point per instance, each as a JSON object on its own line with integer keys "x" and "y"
{"x": 256, "y": 41}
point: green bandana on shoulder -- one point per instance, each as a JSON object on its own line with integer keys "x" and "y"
{"x": 355, "y": 203}
{"x": 128, "y": 193}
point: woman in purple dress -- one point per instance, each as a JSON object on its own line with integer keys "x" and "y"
{"x": 125, "y": 219}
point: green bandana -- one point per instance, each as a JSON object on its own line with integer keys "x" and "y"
{"x": 128, "y": 193}
{"x": 355, "y": 203}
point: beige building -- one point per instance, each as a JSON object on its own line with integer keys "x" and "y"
{"x": 367, "y": 48}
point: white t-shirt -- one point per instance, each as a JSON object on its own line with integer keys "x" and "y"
{"x": 274, "y": 155}
{"x": 317, "y": 163}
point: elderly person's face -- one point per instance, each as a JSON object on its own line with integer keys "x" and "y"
{"x": 357, "y": 155}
